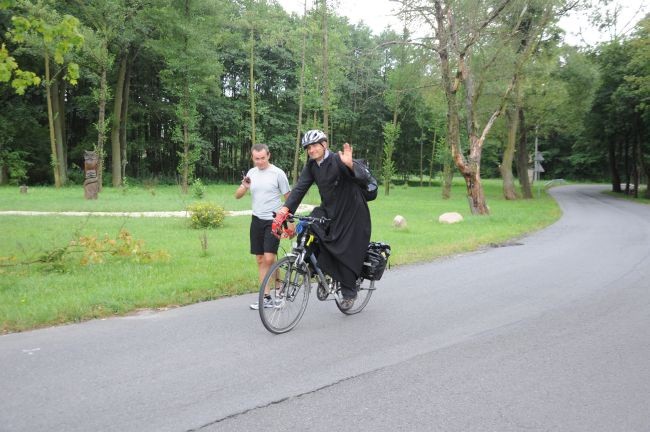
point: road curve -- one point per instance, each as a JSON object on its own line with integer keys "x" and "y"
{"x": 550, "y": 333}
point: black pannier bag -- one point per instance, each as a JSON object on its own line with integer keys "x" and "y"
{"x": 367, "y": 182}
{"x": 375, "y": 262}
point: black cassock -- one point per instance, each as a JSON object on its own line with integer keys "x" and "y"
{"x": 343, "y": 246}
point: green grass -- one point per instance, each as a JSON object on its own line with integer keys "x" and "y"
{"x": 641, "y": 199}
{"x": 160, "y": 198}
{"x": 38, "y": 295}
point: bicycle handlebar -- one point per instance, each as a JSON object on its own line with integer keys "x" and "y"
{"x": 308, "y": 219}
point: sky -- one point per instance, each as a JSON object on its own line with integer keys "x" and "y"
{"x": 377, "y": 14}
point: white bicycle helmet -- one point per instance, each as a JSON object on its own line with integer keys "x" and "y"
{"x": 312, "y": 137}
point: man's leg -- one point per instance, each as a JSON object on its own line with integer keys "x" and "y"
{"x": 264, "y": 263}
{"x": 257, "y": 231}
{"x": 348, "y": 283}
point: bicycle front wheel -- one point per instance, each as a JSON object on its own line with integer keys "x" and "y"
{"x": 365, "y": 289}
{"x": 289, "y": 288}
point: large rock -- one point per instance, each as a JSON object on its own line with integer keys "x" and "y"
{"x": 399, "y": 222}
{"x": 450, "y": 218}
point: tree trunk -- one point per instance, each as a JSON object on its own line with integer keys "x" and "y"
{"x": 447, "y": 178}
{"x": 116, "y": 152}
{"x": 638, "y": 157}
{"x": 626, "y": 158}
{"x": 50, "y": 119}
{"x": 64, "y": 131}
{"x": 56, "y": 117}
{"x": 508, "y": 155}
{"x": 186, "y": 140}
{"x": 470, "y": 169}
{"x": 475, "y": 194}
{"x": 124, "y": 116}
{"x": 101, "y": 129}
{"x": 58, "y": 129}
{"x": 522, "y": 158}
{"x": 4, "y": 170}
{"x": 301, "y": 92}
{"x": 326, "y": 85}
{"x": 433, "y": 155}
{"x": 421, "y": 162}
{"x": 642, "y": 165}
{"x": 613, "y": 166}
{"x": 453, "y": 126}
{"x": 216, "y": 156}
{"x": 390, "y": 156}
{"x": 252, "y": 85}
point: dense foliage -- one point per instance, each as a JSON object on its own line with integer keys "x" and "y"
{"x": 173, "y": 90}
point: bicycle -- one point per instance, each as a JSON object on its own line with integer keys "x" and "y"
{"x": 291, "y": 280}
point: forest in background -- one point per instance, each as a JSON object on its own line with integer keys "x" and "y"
{"x": 170, "y": 91}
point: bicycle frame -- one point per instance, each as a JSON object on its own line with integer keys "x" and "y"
{"x": 301, "y": 250}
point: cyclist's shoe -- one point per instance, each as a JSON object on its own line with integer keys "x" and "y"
{"x": 347, "y": 303}
{"x": 268, "y": 303}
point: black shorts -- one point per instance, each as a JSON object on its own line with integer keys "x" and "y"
{"x": 262, "y": 241}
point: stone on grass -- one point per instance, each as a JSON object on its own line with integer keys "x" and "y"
{"x": 399, "y": 222}
{"x": 450, "y": 218}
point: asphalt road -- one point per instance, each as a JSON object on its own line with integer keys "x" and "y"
{"x": 551, "y": 333}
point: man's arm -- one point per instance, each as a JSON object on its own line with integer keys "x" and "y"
{"x": 295, "y": 197}
{"x": 243, "y": 187}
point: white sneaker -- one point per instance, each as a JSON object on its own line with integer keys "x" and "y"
{"x": 268, "y": 303}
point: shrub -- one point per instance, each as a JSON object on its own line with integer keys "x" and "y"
{"x": 206, "y": 215}
{"x": 16, "y": 164}
{"x": 198, "y": 189}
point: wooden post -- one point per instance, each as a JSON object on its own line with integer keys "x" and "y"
{"x": 91, "y": 184}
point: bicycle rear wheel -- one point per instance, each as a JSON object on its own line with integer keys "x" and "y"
{"x": 365, "y": 289}
{"x": 289, "y": 289}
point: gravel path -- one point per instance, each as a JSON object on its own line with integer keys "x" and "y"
{"x": 180, "y": 214}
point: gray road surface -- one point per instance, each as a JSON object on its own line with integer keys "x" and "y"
{"x": 552, "y": 334}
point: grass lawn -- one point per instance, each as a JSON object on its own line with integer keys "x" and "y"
{"x": 41, "y": 294}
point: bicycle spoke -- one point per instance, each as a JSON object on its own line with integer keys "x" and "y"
{"x": 289, "y": 292}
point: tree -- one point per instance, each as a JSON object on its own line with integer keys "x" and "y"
{"x": 456, "y": 29}
{"x": 104, "y": 20}
{"x": 301, "y": 94}
{"x": 10, "y": 72}
{"x": 44, "y": 30}
{"x": 619, "y": 116}
{"x": 391, "y": 132}
{"x": 528, "y": 29}
{"x": 9, "y": 69}
{"x": 187, "y": 45}
{"x": 635, "y": 92}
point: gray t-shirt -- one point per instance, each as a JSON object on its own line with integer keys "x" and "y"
{"x": 267, "y": 188}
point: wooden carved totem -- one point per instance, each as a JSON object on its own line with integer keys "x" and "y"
{"x": 91, "y": 185}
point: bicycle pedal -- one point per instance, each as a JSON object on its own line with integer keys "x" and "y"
{"x": 321, "y": 293}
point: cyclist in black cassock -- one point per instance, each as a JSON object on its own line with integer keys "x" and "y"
{"x": 344, "y": 242}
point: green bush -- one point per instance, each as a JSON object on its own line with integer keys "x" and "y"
{"x": 206, "y": 215}
{"x": 16, "y": 164}
{"x": 198, "y": 189}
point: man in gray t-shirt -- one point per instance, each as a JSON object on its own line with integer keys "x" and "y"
{"x": 268, "y": 184}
